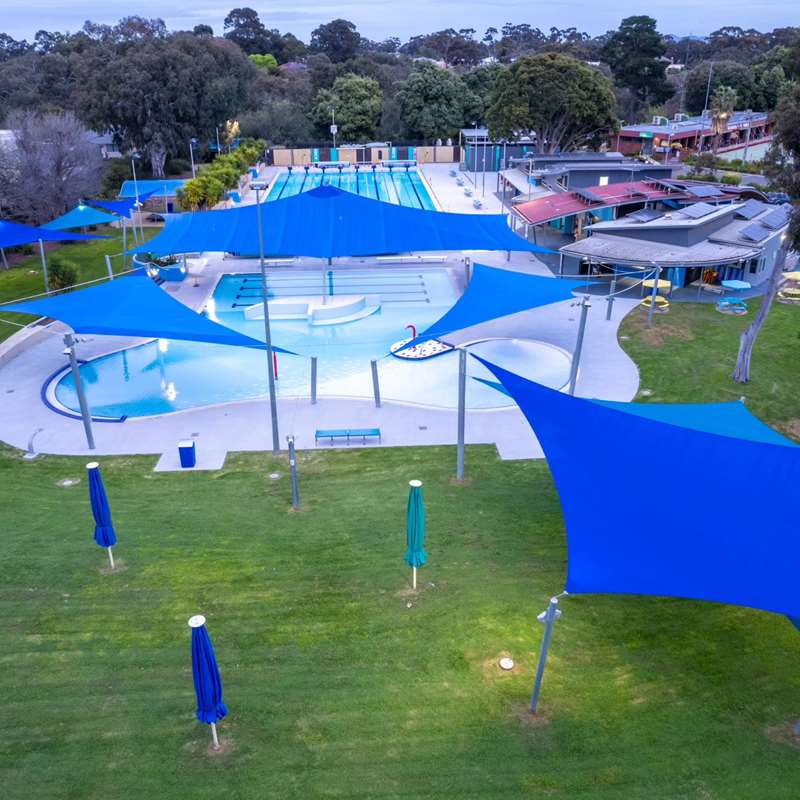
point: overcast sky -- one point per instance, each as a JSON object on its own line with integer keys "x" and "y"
{"x": 405, "y": 18}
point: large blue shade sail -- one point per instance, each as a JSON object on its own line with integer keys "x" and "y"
{"x": 494, "y": 293}
{"x": 328, "y": 222}
{"x": 151, "y": 188}
{"x": 80, "y": 217}
{"x": 133, "y": 306}
{"x": 207, "y": 682}
{"x": 629, "y": 531}
{"x": 121, "y": 207}
{"x": 103, "y": 526}
{"x": 12, "y": 234}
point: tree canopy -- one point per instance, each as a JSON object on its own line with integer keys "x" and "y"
{"x": 634, "y": 55}
{"x": 338, "y": 39}
{"x": 357, "y": 102}
{"x": 563, "y": 102}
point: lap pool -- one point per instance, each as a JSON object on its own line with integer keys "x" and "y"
{"x": 162, "y": 376}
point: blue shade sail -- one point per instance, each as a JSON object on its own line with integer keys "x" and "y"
{"x": 133, "y": 306}
{"x": 12, "y": 234}
{"x": 647, "y": 538}
{"x": 493, "y": 293}
{"x": 151, "y": 188}
{"x": 121, "y": 207}
{"x": 327, "y": 222}
{"x": 81, "y": 216}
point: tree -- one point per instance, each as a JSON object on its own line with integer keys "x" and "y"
{"x": 339, "y": 40}
{"x": 50, "y": 167}
{"x": 564, "y": 102}
{"x": 434, "y": 102}
{"x": 722, "y": 106}
{"x": 358, "y": 103}
{"x": 481, "y": 82}
{"x": 158, "y": 94}
{"x": 723, "y": 73}
{"x": 279, "y": 123}
{"x": 634, "y": 55}
{"x": 203, "y": 30}
{"x": 787, "y": 174}
{"x": 244, "y": 27}
{"x": 266, "y": 61}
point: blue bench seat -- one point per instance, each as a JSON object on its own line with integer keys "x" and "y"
{"x": 347, "y": 434}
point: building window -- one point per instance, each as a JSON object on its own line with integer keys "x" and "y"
{"x": 604, "y": 180}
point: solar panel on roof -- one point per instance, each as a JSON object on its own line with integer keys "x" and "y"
{"x": 698, "y": 210}
{"x": 645, "y": 215}
{"x": 752, "y": 208}
{"x": 775, "y": 219}
{"x": 755, "y": 232}
{"x": 703, "y": 191}
{"x": 590, "y": 196}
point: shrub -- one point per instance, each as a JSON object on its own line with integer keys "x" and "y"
{"x": 62, "y": 273}
{"x": 178, "y": 166}
{"x": 732, "y": 180}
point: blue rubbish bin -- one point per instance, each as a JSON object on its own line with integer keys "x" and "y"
{"x": 187, "y": 453}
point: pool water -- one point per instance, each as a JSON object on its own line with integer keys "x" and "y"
{"x": 400, "y": 186}
{"x": 164, "y": 376}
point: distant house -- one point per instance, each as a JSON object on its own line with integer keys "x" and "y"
{"x": 684, "y": 135}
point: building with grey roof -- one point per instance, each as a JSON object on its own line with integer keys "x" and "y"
{"x": 698, "y": 241}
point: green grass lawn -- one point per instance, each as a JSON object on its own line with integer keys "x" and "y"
{"x": 343, "y": 684}
{"x": 690, "y": 353}
{"x": 336, "y": 687}
{"x": 25, "y": 277}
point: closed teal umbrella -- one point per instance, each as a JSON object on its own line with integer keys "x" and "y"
{"x": 415, "y": 530}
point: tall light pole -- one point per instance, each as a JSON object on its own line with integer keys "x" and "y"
{"x": 192, "y": 144}
{"x": 334, "y": 128}
{"x": 273, "y": 400}
{"x": 134, "y": 156}
{"x": 219, "y": 149}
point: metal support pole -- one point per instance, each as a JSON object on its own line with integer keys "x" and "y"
{"x": 376, "y": 389}
{"x": 586, "y": 304}
{"x": 313, "y": 380}
{"x": 548, "y": 617}
{"x": 109, "y": 268}
{"x": 191, "y": 157}
{"x": 69, "y": 342}
{"x": 462, "y": 412}
{"x": 273, "y": 400}
{"x": 293, "y": 472}
{"x": 653, "y": 295}
{"x": 124, "y": 244}
{"x": 44, "y": 266}
{"x": 3, "y": 258}
{"x": 560, "y": 263}
{"x": 468, "y": 269}
{"x": 610, "y": 299}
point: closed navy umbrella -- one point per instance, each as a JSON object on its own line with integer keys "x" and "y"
{"x": 103, "y": 526}
{"x": 207, "y": 683}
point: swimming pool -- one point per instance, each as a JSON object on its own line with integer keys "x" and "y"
{"x": 166, "y": 376}
{"x": 398, "y": 186}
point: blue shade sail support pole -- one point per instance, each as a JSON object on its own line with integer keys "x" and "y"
{"x": 313, "y": 380}
{"x": 586, "y": 304}
{"x": 462, "y": 412}
{"x": 376, "y": 387}
{"x": 109, "y": 268}
{"x": 69, "y": 342}
{"x": 549, "y": 618}
{"x": 293, "y": 472}
{"x": 44, "y": 266}
{"x": 273, "y": 400}
{"x": 653, "y": 295}
{"x": 610, "y": 299}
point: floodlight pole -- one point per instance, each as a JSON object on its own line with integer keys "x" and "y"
{"x": 191, "y": 157}
{"x": 293, "y": 472}
{"x": 69, "y": 342}
{"x": 611, "y": 293}
{"x": 462, "y": 411}
{"x": 273, "y": 401}
{"x": 586, "y": 304}
{"x": 44, "y": 266}
{"x": 549, "y": 618}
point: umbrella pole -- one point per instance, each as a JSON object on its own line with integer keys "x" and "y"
{"x": 111, "y": 558}
{"x": 214, "y": 735}
{"x": 414, "y": 577}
